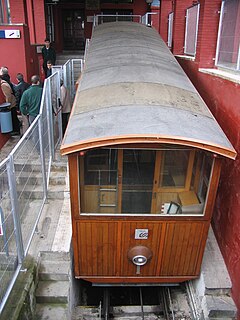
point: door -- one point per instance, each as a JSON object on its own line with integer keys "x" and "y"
{"x": 73, "y": 30}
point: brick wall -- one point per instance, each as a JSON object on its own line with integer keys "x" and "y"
{"x": 222, "y": 97}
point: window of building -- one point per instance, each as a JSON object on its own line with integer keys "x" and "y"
{"x": 5, "y": 12}
{"x": 191, "y": 30}
{"x": 228, "y": 49}
{"x": 170, "y": 29}
{"x": 50, "y": 23}
{"x": 144, "y": 181}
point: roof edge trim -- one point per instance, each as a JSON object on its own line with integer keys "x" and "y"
{"x": 108, "y": 141}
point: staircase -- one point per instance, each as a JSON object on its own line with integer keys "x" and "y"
{"x": 70, "y": 55}
{"x": 52, "y": 294}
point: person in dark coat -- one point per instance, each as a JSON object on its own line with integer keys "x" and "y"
{"x": 19, "y": 89}
{"x": 48, "y": 53}
{"x": 8, "y": 92}
{"x": 49, "y": 68}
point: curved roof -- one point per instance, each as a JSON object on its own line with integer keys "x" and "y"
{"x": 133, "y": 90}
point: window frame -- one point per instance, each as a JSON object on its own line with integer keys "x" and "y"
{"x": 170, "y": 29}
{"x": 217, "y": 63}
{"x": 188, "y": 26}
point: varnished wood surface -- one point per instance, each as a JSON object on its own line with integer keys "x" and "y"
{"x": 102, "y": 248}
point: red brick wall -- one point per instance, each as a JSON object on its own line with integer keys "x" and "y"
{"x": 222, "y": 97}
{"x": 179, "y": 12}
{"x": 207, "y": 32}
{"x": 165, "y": 9}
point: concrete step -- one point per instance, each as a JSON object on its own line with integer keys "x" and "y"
{"x": 134, "y": 312}
{"x": 36, "y": 192}
{"x": 52, "y": 292}
{"x": 219, "y": 307}
{"x": 36, "y": 178}
{"x": 54, "y": 266}
{"x": 85, "y": 312}
{"x": 52, "y": 312}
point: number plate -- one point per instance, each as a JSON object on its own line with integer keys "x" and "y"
{"x": 141, "y": 233}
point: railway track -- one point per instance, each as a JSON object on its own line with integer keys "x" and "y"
{"x": 142, "y": 303}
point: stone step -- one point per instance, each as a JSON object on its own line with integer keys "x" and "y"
{"x": 54, "y": 266}
{"x": 56, "y": 178}
{"x": 120, "y": 312}
{"x": 35, "y": 168}
{"x": 36, "y": 192}
{"x": 85, "y": 312}
{"x": 134, "y": 312}
{"x": 52, "y": 292}
{"x": 52, "y": 311}
{"x": 219, "y": 307}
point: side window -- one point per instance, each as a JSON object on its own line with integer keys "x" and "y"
{"x": 5, "y": 12}
{"x": 228, "y": 52}
{"x": 170, "y": 29}
{"x": 191, "y": 30}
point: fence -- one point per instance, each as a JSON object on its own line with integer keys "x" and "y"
{"x": 24, "y": 177}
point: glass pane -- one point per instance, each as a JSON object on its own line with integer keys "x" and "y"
{"x": 174, "y": 171}
{"x": 229, "y": 35}
{"x": 138, "y": 172}
{"x": 191, "y": 30}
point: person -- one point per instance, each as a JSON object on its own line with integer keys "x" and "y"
{"x": 19, "y": 89}
{"x": 48, "y": 53}
{"x": 8, "y": 91}
{"x": 66, "y": 105}
{"x": 49, "y": 68}
{"x": 31, "y": 99}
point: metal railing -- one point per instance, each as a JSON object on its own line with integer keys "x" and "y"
{"x": 24, "y": 177}
{"x": 103, "y": 18}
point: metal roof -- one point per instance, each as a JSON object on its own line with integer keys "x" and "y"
{"x": 133, "y": 90}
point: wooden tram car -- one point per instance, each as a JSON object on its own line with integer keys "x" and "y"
{"x": 144, "y": 158}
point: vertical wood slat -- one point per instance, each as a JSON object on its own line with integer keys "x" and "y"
{"x": 97, "y": 245}
{"x": 189, "y": 170}
{"x": 156, "y": 181}
{"x": 129, "y": 241}
{"x": 183, "y": 243}
{"x": 177, "y": 248}
{"x": 73, "y": 185}
{"x": 212, "y": 190}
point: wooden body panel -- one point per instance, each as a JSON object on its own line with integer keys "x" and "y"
{"x": 102, "y": 247}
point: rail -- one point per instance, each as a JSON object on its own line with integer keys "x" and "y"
{"x": 157, "y": 302}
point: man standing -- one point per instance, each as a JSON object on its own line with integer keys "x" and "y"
{"x": 31, "y": 99}
{"x": 19, "y": 89}
{"x": 8, "y": 92}
{"x": 48, "y": 53}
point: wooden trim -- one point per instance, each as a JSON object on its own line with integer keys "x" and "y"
{"x": 148, "y": 139}
{"x": 73, "y": 184}
{"x": 111, "y": 280}
{"x": 120, "y": 177}
{"x": 119, "y": 245}
{"x": 213, "y": 186}
{"x": 156, "y": 180}
{"x": 189, "y": 170}
{"x": 198, "y": 172}
{"x": 160, "y": 251}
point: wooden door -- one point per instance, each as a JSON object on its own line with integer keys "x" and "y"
{"x": 73, "y": 30}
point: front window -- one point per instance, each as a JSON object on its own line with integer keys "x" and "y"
{"x": 171, "y": 180}
{"x": 228, "y": 50}
{"x": 191, "y": 30}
